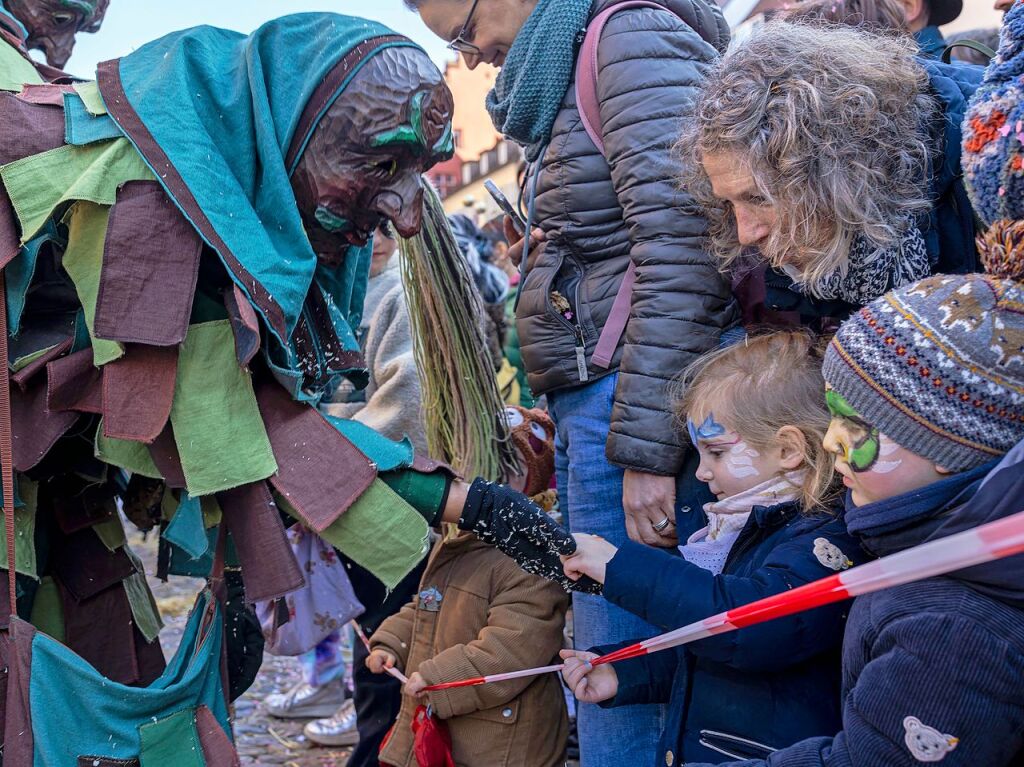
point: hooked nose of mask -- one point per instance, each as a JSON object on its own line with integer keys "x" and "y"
{"x": 405, "y": 213}
{"x": 58, "y": 49}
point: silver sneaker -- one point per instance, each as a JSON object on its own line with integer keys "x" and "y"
{"x": 304, "y": 701}
{"x": 338, "y": 730}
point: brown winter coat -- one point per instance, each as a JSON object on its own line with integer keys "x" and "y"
{"x": 493, "y": 618}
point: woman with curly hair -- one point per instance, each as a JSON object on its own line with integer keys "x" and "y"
{"x": 827, "y": 160}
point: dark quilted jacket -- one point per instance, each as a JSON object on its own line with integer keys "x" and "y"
{"x": 598, "y": 214}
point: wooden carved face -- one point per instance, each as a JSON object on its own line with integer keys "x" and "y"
{"x": 53, "y": 24}
{"x": 365, "y": 159}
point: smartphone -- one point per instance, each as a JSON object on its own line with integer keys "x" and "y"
{"x": 506, "y": 206}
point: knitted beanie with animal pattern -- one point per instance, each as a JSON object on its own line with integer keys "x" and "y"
{"x": 938, "y": 366}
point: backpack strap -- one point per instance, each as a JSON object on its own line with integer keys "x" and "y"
{"x": 586, "y": 67}
{"x": 590, "y": 113}
{"x": 7, "y": 449}
{"x": 615, "y": 325}
{"x": 974, "y": 45}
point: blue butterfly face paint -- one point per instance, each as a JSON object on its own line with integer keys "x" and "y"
{"x": 709, "y": 429}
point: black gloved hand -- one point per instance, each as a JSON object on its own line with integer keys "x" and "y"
{"x": 521, "y": 530}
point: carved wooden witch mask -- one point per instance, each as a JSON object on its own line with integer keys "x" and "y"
{"x": 364, "y": 161}
{"x": 53, "y": 24}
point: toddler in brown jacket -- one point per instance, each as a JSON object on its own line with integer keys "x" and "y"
{"x": 477, "y": 613}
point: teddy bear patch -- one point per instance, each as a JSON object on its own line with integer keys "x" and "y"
{"x": 927, "y": 744}
{"x": 830, "y": 555}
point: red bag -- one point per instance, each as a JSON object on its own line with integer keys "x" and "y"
{"x": 432, "y": 743}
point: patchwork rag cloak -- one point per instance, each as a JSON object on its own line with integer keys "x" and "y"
{"x": 171, "y": 330}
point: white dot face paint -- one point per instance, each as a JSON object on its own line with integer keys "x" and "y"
{"x": 728, "y": 464}
{"x": 895, "y": 471}
{"x": 740, "y": 461}
{"x": 888, "y": 456}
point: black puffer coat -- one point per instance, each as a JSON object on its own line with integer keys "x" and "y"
{"x": 598, "y": 214}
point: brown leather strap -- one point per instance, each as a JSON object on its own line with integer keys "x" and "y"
{"x": 217, "y": 583}
{"x": 7, "y": 448}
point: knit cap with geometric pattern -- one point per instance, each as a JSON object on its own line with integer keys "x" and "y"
{"x": 938, "y": 366}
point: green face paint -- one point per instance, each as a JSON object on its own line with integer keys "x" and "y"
{"x": 413, "y": 135}
{"x": 331, "y": 221}
{"x": 863, "y": 453}
{"x": 86, "y": 7}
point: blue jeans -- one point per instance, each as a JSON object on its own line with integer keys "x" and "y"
{"x": 590, "y": 493}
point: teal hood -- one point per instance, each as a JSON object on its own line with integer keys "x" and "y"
{"x": 222, "y": 119}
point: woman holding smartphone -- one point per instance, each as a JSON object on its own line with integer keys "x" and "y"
{"x": 623, "y": 468}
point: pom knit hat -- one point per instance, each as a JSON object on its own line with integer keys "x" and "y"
{"x": 938, "y": 366}
{"x": 993, "y": 144}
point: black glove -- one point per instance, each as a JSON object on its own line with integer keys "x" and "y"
{"x": 521, "y": 530}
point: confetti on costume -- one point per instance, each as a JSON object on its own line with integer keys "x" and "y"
{"x": 177, "y": 309}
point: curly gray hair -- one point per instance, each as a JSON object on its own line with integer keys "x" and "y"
{"x": 833, "y": 125}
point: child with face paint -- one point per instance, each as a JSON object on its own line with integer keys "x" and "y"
{"x": 926, "y": 393}
{"x": 756, "y": 414}
{"x": 925, "y": 387}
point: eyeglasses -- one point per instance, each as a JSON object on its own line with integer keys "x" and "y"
{"x": 460, "y": 44}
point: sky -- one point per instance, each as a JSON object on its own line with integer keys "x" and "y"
{"x": 131, "y": 23}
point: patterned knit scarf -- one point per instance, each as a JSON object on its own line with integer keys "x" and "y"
{"x": 873, "y": 271}
{"x": 537, "y": 72}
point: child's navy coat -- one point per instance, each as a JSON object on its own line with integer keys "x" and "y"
{"x": 747, "y": 692}
{"x": 933, "y": 671}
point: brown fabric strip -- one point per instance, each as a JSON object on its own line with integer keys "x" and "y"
{"x": 23, "y": 376}
{"x": 337, "y": 357}
{"x": 328, "y": 89}
{"x": 244, "y": 323}
{"x": 150, "y": 268}
{"x": 85, "y": 567}
{"x": 28, "y": 129}
{"x": 120, "y": 109}
{"x": 78, "y": 504}
{"x": 19, "y": 746}
{"x": 269, "y": 567}
{"x": 425, "y": 465}
{"x": 320, "y": 472}
{"x": 164, "y": 452}
{"x": 218, "y": 750}
{"x": 47, "y": 94}
{"x": 36, "y": 428}
{"x": 100, "y": 631}
{"x": 75, "y": 383}
{"x": 149, "y": 657}
{"x": 10, "y": 239}
{"x": 138, "y": 390}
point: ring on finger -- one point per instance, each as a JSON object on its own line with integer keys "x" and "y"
{"x": 662, "y": 525}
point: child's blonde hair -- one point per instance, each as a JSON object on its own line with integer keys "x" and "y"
{"x": 758, "y": 386}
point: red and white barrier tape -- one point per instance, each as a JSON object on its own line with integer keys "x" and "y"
{"x": 995, "y": 540}
{"x": 366, "y": 643}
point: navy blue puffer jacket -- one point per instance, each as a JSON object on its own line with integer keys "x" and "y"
{"x": 748, "y": 692}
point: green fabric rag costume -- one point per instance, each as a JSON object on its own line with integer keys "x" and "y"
{"x": 193, "y": 130}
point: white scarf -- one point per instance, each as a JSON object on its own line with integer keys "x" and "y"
{"x": 709, "y": 547}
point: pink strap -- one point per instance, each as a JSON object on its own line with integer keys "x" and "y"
{"x": 590, "y": 114}
{"x": 586, "y": 68}
{"x": 615, "y": 325}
